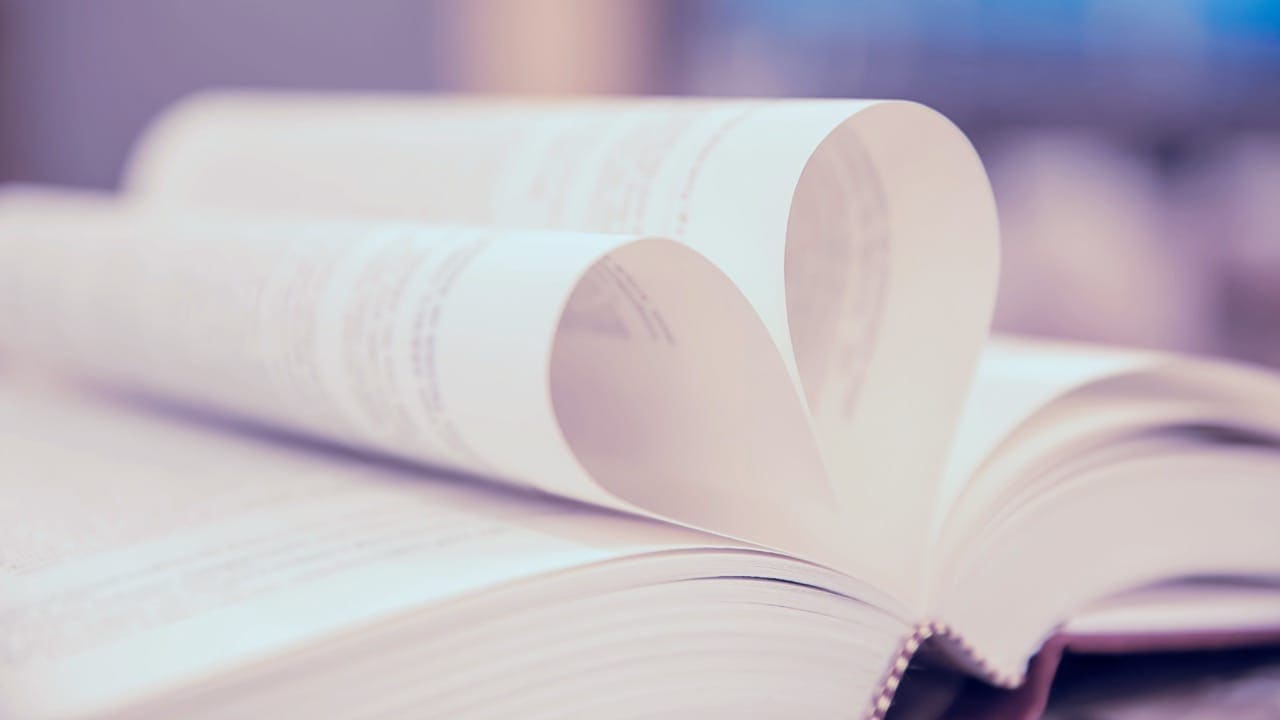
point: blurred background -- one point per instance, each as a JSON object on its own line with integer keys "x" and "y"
{"x": 1134, "y": 145}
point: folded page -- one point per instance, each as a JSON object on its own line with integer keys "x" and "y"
{"x": 608, "y": 369}
{"x": 863, "y": 233}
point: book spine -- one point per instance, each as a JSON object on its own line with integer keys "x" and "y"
{"x": 954, "y": 645}
{"x": 1024, "y": 695}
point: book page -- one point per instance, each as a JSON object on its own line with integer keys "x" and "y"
{"x": 129, "y": 536}
{"x": 1033, "y": 397}
{"x": 608, "y": 369}
{"x": 1082, "y": 473}
{"x": 1015, "y": 379}
{"x": 862, "y": 233}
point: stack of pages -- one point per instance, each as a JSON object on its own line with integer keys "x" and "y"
{"x": 379, "y": 407}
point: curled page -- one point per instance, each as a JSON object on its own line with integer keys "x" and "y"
{"x": 608, "y": 369}
{"x": 862, "y": 232}
{"x": 1167, "y": 461}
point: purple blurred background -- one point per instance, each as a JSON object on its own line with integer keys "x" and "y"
{"x": 1134, "y": 146}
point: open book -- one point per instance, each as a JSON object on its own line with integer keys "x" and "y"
{"x": 373, "y": 407}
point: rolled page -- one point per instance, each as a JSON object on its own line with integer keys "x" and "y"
{"x": 608, "y": 369}
{"x": 862, "y": 232}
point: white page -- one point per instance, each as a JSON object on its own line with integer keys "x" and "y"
{"x": 1032, "y": 397}
{"x": 608, "y": 369}
{"x": 1189, "y": 606}
{"x": 1082, "y": 471}
{"x": 1015, "y": 379}
{"x": 863, "y": 233}
{"x": 1170, "y": 510}
{"x": 129, "y": 537}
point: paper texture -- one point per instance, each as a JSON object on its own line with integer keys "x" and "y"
{"x": 602, "y": 368}
{"x": 157, "y": 563}
{"x": 139, "y": 549}
{"x": 863, "y": 234}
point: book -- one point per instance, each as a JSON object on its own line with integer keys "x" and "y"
{"x": 375, "y": 406}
